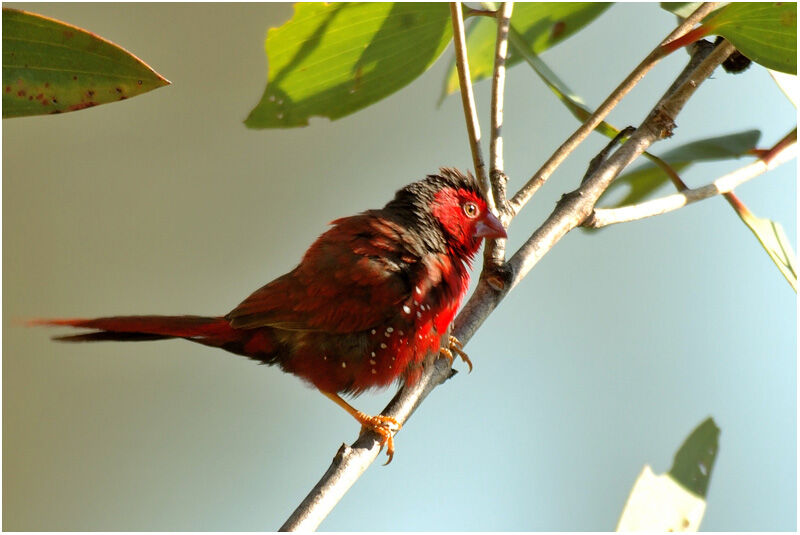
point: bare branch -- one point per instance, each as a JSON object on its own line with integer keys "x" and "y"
{"x": 352, "y": 461}
{"x": 537, "y": 180}
{"x": 494, "y": 254}
{"x": 467, "y": 96}
{"x": 609, "y": 216}
{"x": 498, "y": 90}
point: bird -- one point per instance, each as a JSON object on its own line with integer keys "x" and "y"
{"x": 370, "y": 299}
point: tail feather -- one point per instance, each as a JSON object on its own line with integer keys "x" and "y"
{"x": 210, "y": 330}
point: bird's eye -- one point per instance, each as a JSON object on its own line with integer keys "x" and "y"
{"x": 471, "y": 210}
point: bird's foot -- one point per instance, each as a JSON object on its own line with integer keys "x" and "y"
{"x": 454, "y": 346}
{"x": 385, "y": 426}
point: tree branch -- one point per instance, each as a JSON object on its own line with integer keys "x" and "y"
{"x": 467, "y": 96}
{"x": 495, "y": 251}
{"x": 351, "y": 462}
{"x": 496, "y": 175}
{"x": 603, "y": 217}
{"x": 537, "y": 180}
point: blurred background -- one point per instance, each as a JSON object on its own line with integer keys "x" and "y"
{"x": 604, "y": 359}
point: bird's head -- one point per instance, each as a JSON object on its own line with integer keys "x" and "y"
{"x": 450, "y": 212}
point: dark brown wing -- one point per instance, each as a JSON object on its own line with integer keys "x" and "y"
{"x": 354, "y": 277}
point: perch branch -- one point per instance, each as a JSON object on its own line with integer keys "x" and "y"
{"x": 351, "y": 461}
{"x": 602, "y": 217}
{"x": 537, "y": 180}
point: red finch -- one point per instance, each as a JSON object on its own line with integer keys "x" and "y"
{"x": 370, "y": 299}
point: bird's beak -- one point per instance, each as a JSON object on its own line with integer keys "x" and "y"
{"x": 490, "y": 227}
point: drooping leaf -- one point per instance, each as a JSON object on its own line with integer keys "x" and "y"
{"x": 333, "y": 59}
{"x": 765, "y": 32}
{"x": 775, "y": 242}
{"x": 694, "y": 460}
{"x": 53, "y": 67}
{"x": 573, "y": 102}
{"x": 541, "y": 25}
{"x": 646, "y": 179}
{"x": 674, "y": 501}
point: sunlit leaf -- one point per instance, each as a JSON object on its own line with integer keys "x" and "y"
{"x": 333, "y": 59}
{"x": 541, "y": 25}
{"x": 674, "y": 501}
{"x": 53, "y": 67}
{"x": 765, "y": 32}
{"x": 657, "y": 503}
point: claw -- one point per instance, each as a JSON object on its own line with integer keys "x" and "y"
{"x": 454, "y": 346}
{"x": 386, "y": 427}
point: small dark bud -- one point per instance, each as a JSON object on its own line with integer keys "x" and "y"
{"x": 736, "y": 62}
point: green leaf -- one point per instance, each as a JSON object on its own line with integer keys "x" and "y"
{"x": 694, "y": 460}
{"x": 334, "y": 59}
{"x": 541, "y": 24}
{"x": 772, "y": 237}
{"x": 674, "y": 501}
{"x": 53, "y": 67}
{"x": 644, "y": 180}
{"x": 764, "y": 32}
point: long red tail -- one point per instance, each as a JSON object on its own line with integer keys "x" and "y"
{"x": 209, "y": 331}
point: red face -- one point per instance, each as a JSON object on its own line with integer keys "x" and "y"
{"x": 466, "y": 219}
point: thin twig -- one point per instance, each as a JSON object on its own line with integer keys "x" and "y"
{"x": 603, "y": 217}
{"x": 537, "y": 180}
{"x": 496, "y": 175}
{"x": 352, "y": 461}
{"x": 495, "y": 251}
{"x": 467, "y": 96}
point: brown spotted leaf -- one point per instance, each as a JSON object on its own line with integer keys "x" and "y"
{"x": 53, "y": 67}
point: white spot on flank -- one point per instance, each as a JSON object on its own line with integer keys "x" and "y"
{"x": 373, "y": 331}
{"x": 400, "y": 333}
{"x": 373, "y": 353}
{"x": 419, "y": 314}
{"x": 344, "y": 365}
{"x": 324, "y": 357}
{"x": 418, "y": 290}
{"x": 406, "y": 309}
{"x": 389, "y": 329}
{"x": 383, "y": 346}
{"x": 386, "y": 334}
{"x": 373, "y": 371}
{"x": 371, "y": 361}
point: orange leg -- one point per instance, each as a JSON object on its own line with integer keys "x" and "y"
{"x": 454, "y": 346}
{"x": 385, "y": 426}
